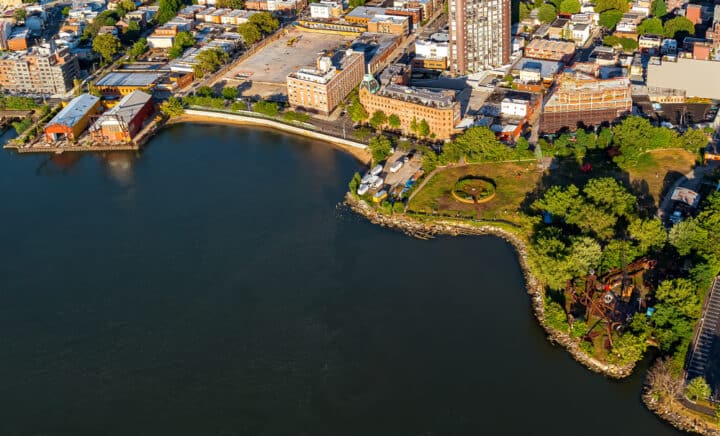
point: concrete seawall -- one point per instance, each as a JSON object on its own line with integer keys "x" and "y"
{"x": 358, "y": 150}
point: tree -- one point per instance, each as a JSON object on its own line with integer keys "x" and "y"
{"x": 677, "y": 310}
{"x": 570, "y": 6}
{"x": 678, "y": 28}
{"x": 380, "y": 148}
{"x": 662, "y": 381}
{"x": 167, "y": 10}
{"x": 266, "y": 108}
{"x": 184, "y": 40}
{"x": 692, "y": 140}
{"x": 362, "y": 133}
{"x": 658, "y": 8}
{"x": 128, "y": 5}
{"x": 546, "y": 13}
{"x": 205, "y": 91}
{"x": 698, "y": 389}
{"x": 688, "y": 236}
{"x": 414, "y": 125}
{"x": 609, "y": 194}
{"x": 250, "y": 33}
{"x": 173, "y": 107}
{"x": 208, "y": 61}
{"x": 229, "y": 4}
{"x": 606, "y": 5}
{"x": 356, "y": 110}
{"x": 230, "y": 92}
{"x": 610, "y": 18}
{"x": 65, "y": 11}
{"x": 355, "y": 3}
{"x": 138, "y": 48}
{"x": 378, "y": 119}
{"x": 649, "y": 233}
{"x": 354, "y": 183}
{"x": 605, "y": 138}
{"x": 106, "y": 45}
{"x": 265, "y": 22}
{"x": 20, "y": 14}
{"x": 650, "y": 26}
{"x": 423, "y": 129}
{"x": 394, "y": 121}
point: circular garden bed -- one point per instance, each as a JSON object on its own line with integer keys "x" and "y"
{"x": 473, "y": 189}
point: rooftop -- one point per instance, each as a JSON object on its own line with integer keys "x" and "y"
{"x": 426, "y": 97}
{"x": 75, "y": 110}
{"x": 128, "y": 79}
{"x": 126, "y": 109}
{"x": 366, "y": 12}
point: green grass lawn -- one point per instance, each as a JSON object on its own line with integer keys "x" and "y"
{"x": 518, "y": 184}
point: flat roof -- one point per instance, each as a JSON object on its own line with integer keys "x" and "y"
{"x": 128, "y": 79}
{"x": 75, "y": 110}
{"x": 697, "y": 78}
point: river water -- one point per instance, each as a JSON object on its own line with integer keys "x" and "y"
{"x": 212, "y": 286}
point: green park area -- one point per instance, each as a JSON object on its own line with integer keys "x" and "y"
{"x": 617, "y": 281}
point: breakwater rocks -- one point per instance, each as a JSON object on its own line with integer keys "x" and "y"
{"x": 426, "y": 230}
{"x": 679, "y": 416}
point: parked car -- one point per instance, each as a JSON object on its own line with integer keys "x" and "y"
{"x": 380, "y": 196}
{"x": 363, "y": 189}
{"x": 377, "y": 183}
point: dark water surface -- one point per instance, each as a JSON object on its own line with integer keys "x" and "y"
{"x": 213, "y": 287}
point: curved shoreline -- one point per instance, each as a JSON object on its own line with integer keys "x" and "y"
{"x": 535, "y": 289}
{"x": 357, "y": 150}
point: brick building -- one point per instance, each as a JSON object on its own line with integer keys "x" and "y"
{"x": 39, "y": 70}
{"x": 322, "y": 88}
{"x": 124, "y": 120}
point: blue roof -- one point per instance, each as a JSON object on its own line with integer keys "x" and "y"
{"x": 75, "y": 110}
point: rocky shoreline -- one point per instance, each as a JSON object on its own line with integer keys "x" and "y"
{"x": 677, "y": 415}
{"x": 535, "y": 289}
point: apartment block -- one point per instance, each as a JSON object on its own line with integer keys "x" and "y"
{"x": 42, "y": 69}
{"x": 322, "y": 88}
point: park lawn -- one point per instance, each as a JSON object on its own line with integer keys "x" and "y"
{"x": 662, "y": 169}
{"x": 513, "y": 181}
{"x": 519, "y": 184}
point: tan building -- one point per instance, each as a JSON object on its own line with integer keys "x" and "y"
{"x": 479, "y": 34}
{"x": 550, "y": 50}
{"x": 39, "y": 70}
{"x": 438, "y": 108}
{"x": 322, "y": 88}
{"x": 389, "y": 24}
{"x": 580, "y": 98}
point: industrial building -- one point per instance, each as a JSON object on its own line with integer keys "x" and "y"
{"x": 581, "y": 99}
{"x": 124, "y": 120}
{"x": 322, "y": 88}
{"x": 72, "y": 120}
{"x": 120, "y": 84}
{"x": 479, "y": 34}
{"x": 550, "y": 50}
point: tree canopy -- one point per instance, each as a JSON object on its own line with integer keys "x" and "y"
{"x": 547, "y": 13}
{"x": 650, "y": 26}
{"x": 610, "y": 18}
{"x": 678, "y": 28}
{"x": 570, "y": 6}
{"x": 250, "y": 33}
{"x": 380, "y": 147}
{"x": 658, "y": 8}
{"x": 208, "y": 61}
{"x": 606, "y": 5}
{"x": 265, "y": 22}
{"x": 106, "y": 45}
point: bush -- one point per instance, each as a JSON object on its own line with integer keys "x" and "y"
{"x": 296, "y": 116}
{"x": 266, "y": 108}
{"x": 230, "y": 93}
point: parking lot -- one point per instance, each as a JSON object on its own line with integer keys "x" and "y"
{"x": 400, "y": 177}
{"x": 273, "y": 63}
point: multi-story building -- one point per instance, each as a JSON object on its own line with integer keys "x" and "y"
{"x": 581, "y": 99}
{"x": 479, "y": 34}
{"x": 394, "y": 25}
{"x": 322, "y": 88}
{"x": 693, "y": 13}
{"x": 325, "y": 9}
{"x": 430, "y": 54}
{"x": 439, "y": 109}
{"x": 42, "y": 69}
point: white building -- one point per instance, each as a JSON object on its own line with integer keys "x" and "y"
{"x": 431, "y": 49}
{"x": 581, "y": 33}
{"x": 513, "y": 107}
{"x": 325, "y": 9}
{"x": 160, "y": 41}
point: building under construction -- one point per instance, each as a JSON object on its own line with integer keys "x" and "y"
{"x": 580, "y": 99}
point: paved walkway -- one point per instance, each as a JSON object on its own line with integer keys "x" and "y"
{"x": 691, "y": 180}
